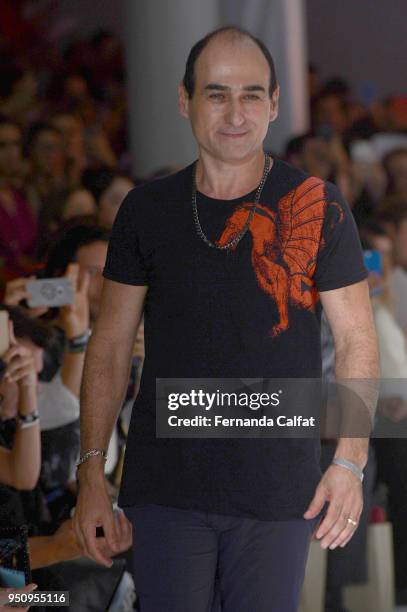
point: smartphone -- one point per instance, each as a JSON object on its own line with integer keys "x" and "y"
{"x": 373, "y": 261}
{"x": 50, "y": 292}
{"x": 15, "y": 568}
{"x": 4, "y": 332}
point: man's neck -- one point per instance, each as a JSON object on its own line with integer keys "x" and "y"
{"x": 226, "y": 181}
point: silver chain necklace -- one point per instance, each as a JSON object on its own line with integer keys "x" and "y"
{"x": 236, "y": 239}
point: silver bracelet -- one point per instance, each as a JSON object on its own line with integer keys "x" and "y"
{"x": 25, "y": 420}
{"x": 28, "y": 423}
{"x": 349, "y": 466}
{"x": 92, "y": 452}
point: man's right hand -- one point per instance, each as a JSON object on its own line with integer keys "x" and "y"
{"x": 94, "y": 509}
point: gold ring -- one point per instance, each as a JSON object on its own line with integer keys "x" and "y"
{"x": 352, "y": 522}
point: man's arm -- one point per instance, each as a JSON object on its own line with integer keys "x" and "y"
{"x": 350, "y": 317}
{"x": 105, "y": 377}
{"x": 349, "y": 314}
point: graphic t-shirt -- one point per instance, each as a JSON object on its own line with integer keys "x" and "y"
{"x": 250, "y": 312}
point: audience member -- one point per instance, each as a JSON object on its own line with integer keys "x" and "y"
{"x": 18, "y": 225}
{"x": 392, "y": 214}
{"x": 109, "y": 189}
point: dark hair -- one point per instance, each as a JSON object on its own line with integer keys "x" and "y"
{"x": 97, "y": 180}
{"x": 392, "y": 210}
{"x": 368, "y": 229}
{"x": 11, "y": 73}
{"x": 66, "y": 245}
{"x": 36, "y": 129}
{"x": 189, "y": 76}
{"x": 296, "y": 145}
{"x": 25, "y": 327}
{"x": 6, "y": 120}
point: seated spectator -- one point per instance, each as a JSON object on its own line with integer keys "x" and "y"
{"x": 395, "y": 165}
{"x": 79, "y": 203}
{"x": 48, "y": 545}
{"x": 20, "y": 464}
{"x": 392, "y": 215}
{"x": 330, "y": 110}
{"x": 72, "y": 129}
{"x": 109, "y": 188}
{"x": 58, "y": 402}
{"x": 391, "y": 453}
{"x": 325, "y": 156}
{"x": 18, "y": 225}
{"x": 47, "y": 183}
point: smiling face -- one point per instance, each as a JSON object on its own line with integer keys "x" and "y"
{"x": 230, "y": 109}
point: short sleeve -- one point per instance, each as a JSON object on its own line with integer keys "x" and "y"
{"x": 125, "y": 262}
{"x": 340, "y": 259}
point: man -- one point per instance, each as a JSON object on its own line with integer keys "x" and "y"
{"x": 224, "y": 522}
{"x": 392, "y": 214}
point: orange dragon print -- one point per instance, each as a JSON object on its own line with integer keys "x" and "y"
{"x": 285, "y": 246}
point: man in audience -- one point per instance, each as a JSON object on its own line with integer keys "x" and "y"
{"x": 109, "y": 188}
{"x": 18, "y": 225}
{"x": 393, "y": 215}
{"x": 395, "y": 164}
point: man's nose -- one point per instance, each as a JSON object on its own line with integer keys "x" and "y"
{"x": 235, "y": 114}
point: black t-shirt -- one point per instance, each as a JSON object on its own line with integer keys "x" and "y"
{"x": 212, "y": 313}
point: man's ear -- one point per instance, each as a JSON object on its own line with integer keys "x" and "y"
{"x": 183, "y": 101}
{"x": 274, "y": 104}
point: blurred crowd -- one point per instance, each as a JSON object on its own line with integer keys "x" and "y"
{"x": 64, "y": 171}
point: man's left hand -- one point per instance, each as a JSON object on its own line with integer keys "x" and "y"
{"x": 343, "y": 490}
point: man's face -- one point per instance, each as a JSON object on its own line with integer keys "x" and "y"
{"x": 73, "y": 134}
{"x": 316, "y": 158}
{"x": 230, "y": 109}
{"x": 397, "y": 167}
{"x": 48, "y": 153}
{"x": 330, "y": 111}
{"x": 111, "y": 199}
{"x": 10, "y": 150}
{"x": 91, "y": 258}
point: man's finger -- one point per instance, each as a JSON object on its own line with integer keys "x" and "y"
{"x": 316, "y": 504}
{"x": 338, "y": 531}
{"x": 349, "y": 530}
{"x": 331, "y": 517}
{"x": 350, "y": 536}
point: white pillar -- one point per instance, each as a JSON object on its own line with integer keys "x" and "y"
{"x": 281, "y": 25}
{"x": 158, "y": 37}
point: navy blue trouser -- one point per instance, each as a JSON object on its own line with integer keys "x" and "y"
{"x": 192, "y": 561}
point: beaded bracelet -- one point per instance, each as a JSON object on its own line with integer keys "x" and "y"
{"x": 26, "y": 420}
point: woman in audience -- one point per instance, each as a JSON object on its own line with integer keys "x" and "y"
{"x": 109, "y": 188}
{"x": 18, "y": 225}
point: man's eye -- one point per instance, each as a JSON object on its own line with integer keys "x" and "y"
{"x": 252, "y": 97}
{"x": 217, "y": 96}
